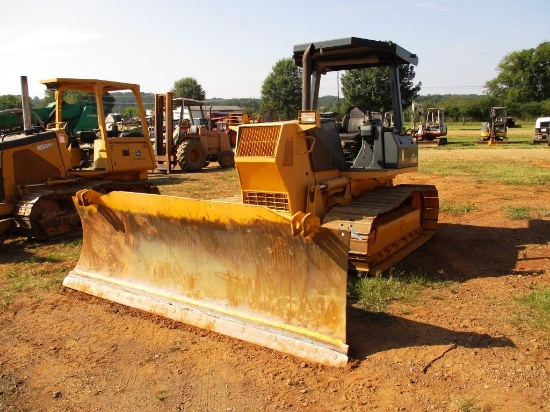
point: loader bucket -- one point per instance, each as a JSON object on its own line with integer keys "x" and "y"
{"x": 227, "y": 267}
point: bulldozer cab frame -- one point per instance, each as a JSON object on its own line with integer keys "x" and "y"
{"x": 350, "y": 53}
{"x": 382, "y": 148}
{"x": 104, "y": 150}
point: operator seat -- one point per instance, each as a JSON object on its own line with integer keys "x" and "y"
{"x": 353, "y": 120}
{"x": 350, "y": 135}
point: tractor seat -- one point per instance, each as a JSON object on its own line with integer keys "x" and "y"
{"x": 86, "y": 136}
{"x": 353, "y": 120}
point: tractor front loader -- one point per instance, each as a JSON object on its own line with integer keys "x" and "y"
{"x": 271, "y": 267}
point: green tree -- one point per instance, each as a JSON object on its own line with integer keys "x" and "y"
{"x": 188, "y": 87}
{"x": 523, "y": 76}
{"x": 129, "y": 112}
{"x": 370, "y": 87}
{"x": 282, "y": 90}
{"x": 49, "y": 97}
{"x": 73, "y": 97}
{"x": 9, "y": 101}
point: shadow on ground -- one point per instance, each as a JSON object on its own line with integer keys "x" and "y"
{"x": 370, "y": 333}
{"x": 462, "y": 252}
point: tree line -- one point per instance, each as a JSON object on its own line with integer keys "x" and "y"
{"x": 522, "y": 85}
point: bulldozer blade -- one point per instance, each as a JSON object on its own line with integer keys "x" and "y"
{"x": 230, "y": 268}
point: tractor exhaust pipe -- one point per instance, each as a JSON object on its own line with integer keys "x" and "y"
{"x": 25, "y": 105}
{"x": 306, "y": 77}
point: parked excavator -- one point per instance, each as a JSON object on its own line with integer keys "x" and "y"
{"x": 271, "y": 266}
{"x": 43, "y": 167}
{"x": 192, "y": 143}
{"x": 428, "y": 126}
{"x": 495, "y": 131}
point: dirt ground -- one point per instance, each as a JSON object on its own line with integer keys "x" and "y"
{"x": 465, "y": 346}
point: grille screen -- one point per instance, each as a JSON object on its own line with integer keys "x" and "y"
{"x": 277, "y": 201}
{"x": 258, "y": 141}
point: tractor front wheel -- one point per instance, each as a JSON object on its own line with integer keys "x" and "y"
{"x": 226, "y": 159}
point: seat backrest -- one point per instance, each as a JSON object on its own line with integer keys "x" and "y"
{"x": 353, "y": 119}
{"x": 86, "y": 136}
{"x": 327, "y": 152}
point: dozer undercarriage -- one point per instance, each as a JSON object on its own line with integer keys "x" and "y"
{"x": 270, "y": 267}
{"x": 49, "y": 214}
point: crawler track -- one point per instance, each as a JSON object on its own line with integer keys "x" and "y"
{"x": 386, "y": 224}
{"x": 50, "y": 214}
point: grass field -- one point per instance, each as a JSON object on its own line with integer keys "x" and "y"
{"x": 460, "y": 325}
{"x": 467, "y": 135}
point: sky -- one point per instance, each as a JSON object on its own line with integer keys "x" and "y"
{"x": 231, "y": 46}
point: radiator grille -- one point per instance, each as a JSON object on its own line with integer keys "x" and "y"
{"x": 277, "y": 201}
{"x": 258, "y": 141}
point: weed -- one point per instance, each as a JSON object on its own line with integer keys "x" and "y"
{"x": 542, "y": 212}
{"x": 538, "y": 302}
{"x": 518, "y": 212}
{"x": 466, "y": 405}
{"x": 375, "y": 293}
{"x": 458, "y": 209}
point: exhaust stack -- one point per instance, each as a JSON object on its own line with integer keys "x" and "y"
{"x": 25, "y": 105}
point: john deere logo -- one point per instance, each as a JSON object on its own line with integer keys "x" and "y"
{"x": 138, "y": 153}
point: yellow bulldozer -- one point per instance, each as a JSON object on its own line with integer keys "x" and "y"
{"x": 44, "y": 167}
{"x": 271, "y": 266}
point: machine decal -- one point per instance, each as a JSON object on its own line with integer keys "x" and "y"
{"x": 44, "y": 146}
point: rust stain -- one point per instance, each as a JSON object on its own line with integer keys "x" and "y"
{"x": 257, "y": 269}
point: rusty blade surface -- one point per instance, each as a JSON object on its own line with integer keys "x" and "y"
{"x": 232, "y": 268}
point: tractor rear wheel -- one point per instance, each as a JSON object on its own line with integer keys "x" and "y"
{"x": 191, "y": 156}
